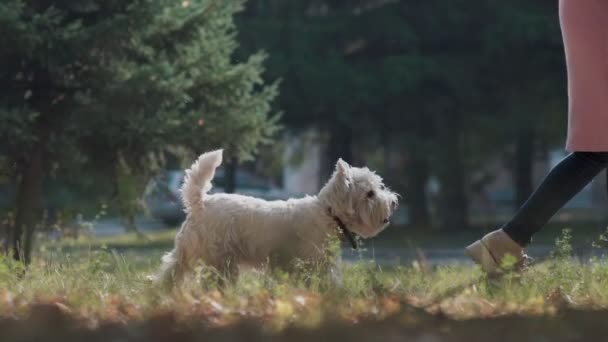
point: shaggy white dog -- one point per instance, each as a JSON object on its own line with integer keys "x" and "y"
{"x": 228, "y": 230}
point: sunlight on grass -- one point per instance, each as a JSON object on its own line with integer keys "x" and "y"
{"x": 127, "y": 240}
{"x": 103, "y": 285}
{"x": 95, "y": 284}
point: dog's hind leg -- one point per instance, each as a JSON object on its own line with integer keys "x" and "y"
{"x": 178, "y": 262}
{"x": 172, "y": 269}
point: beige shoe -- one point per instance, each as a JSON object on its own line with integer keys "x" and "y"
{"x": 490, "y": 251}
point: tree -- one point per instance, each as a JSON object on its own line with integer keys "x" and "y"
{"x": 106, "y": 85}
{"x": 184, "y": 53}
{"x": 376, "y": 64}
{"x": 527, "y": 92}
{"x": 456, "y": 81}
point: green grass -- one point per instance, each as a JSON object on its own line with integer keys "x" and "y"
{"x": 95, "y": 284}
{"x": 101, "y": 285}
{"x": 160, "y": 239}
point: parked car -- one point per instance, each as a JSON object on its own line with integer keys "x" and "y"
{"x": 163, "y": 202}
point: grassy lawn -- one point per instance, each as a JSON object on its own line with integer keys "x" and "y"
{"x": 91, "y": 284}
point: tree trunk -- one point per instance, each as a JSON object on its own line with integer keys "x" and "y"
{"x": 230, "y": 176}
{"x": 29, "y": 206}
{"x": 452, "y": 202}
{"x": 524, "y": 159}
{"x": 417, "y": 173}
{"x": 127, "y": 194}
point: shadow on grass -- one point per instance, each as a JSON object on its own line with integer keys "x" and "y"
{"x": 50, "y": 323}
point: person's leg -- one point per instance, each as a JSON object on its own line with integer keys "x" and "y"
{"x": 566, "y": 179}
{"x": 563, "y": 182}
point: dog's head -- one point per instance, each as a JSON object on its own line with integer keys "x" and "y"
{"x": 358, "y": 197}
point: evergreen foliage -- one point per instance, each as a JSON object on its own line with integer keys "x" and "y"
{"x": 100, "y": 87}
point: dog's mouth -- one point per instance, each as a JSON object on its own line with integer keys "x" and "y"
{"x": 361, "y": 229}
{"x": 370, "y": 231}
{"x": 367, "y": 232}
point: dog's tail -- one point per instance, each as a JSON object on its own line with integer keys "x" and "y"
{"x": 198, "y": 179}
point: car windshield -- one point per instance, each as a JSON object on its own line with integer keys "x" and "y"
{"x": 175, "y": 179}
{"x": 244, "y": 180}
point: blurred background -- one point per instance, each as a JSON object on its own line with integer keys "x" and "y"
{"x": 460, "y": 105}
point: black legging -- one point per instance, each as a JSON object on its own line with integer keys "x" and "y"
{"x": 566, "y": 179}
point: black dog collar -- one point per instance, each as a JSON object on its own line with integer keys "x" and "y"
{"x": 344, "y": 231}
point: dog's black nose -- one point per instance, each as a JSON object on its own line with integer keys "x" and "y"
{"x": 394, "y": 205}
{"x": 385, "y": 220}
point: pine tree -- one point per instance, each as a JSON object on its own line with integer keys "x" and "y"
{"x": 93, "y": 85}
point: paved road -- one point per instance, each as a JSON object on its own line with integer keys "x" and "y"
{"x": 382, "y": 255}
{"x": 434, "y": 255}
{"x": 113, "y": 226}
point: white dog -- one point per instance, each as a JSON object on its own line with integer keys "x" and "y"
{"x": 228, "y": 230}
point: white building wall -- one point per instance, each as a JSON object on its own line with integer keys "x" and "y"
{"x": 301, "y": 174}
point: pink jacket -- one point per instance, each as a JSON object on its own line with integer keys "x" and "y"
{"x": 584, "y": 26}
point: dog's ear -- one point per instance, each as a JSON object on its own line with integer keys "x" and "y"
{"x": 343, "y": 171}
{"x": 342, "y": 167}
{"x": 344, "y": 178}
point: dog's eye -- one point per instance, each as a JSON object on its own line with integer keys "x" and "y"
{"x": 371, "y": 194}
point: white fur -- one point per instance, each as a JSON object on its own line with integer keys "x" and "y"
{"x": 228, "y": 230}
